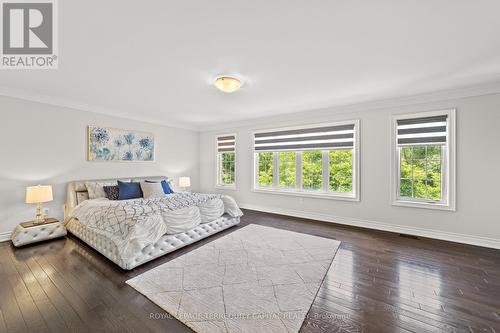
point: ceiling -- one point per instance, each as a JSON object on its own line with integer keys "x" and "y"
{"x": 156, "y": 60}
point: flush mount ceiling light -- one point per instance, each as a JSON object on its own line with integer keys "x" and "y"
{"x": 227, "y": 84}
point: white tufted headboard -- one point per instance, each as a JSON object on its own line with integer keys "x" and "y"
{"x": 77, "y": 191}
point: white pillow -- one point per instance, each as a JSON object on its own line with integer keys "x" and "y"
{"x": 230, "y": 206}
{"x": 152, "y": 190}
{"x": 96, "y": 189}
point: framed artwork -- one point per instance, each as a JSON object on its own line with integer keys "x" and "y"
{"x": 112, "y": 144}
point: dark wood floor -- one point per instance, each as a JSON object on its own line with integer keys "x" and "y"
{"x": 378, "y": 282}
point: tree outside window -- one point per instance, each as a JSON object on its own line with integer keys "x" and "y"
{"x": 227, "y": 168}
{"x": 312, "y": 170}
{"x": 287, "y": 168}
{"x": 420, "y": 176}
{"x": 340, "y": 170}
{"x": 266, "y": 169}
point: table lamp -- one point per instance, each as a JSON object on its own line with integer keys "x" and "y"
{"x": 39, "y": 194}
{"x": 184, "y": 182}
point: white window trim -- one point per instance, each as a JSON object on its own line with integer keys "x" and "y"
{"x": 218, "y": 185}
{"x": 448, "y": 201}
{"x": 355, "y": 195}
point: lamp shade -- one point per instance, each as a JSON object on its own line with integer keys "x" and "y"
{"x": 227, "y": 84}
{"x": 38, "y": 194}
{"x": 184, "y": 181}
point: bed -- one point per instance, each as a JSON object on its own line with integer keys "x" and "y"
{"x": 133, "y": 232}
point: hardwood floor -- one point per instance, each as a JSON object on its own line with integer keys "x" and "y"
{"x": 378, "y": 282}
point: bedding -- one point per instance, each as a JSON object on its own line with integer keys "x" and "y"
{"x": 133, "y": 224}
{"x": 181, "y": 220}
{"x": 152, "y": 190}
{"x": 129, "y": 190}
{"x": 230, "y": 206}
{"x": 165, "y": 184}
{"x": 81, "y": 197}
{"x": 111, "y": 192}
{"x": 96, "y": 189}
{"x": 166, "y": 187}
{"x": 211, "y": 210}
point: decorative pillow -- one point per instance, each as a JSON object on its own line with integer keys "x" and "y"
{"x": 96, "y": 189}
{"x": 111, "y": 192}
{"x": 81, "y": 196}
{"x": 230, "y": 206}
{"x": 166, "y": 187}
{"x": 152, "y": 190}
{"x": 165, "y": 184}
{"x": 129, "y": 190}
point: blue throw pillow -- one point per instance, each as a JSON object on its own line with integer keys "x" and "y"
{"x": 129, "y": 190}
{"x": 164, "y": 184}
{"x": 166, "y": 187}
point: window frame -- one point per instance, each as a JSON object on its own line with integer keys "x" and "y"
{"x": 324, "y": 193}
{"x": 218, "y": 175}
{"x": 448, "y": 165}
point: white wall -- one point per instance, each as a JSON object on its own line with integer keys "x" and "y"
{"x": 476, "y": 220}
{"x": 44, "y": 144}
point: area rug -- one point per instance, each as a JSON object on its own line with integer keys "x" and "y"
{"x": 256, "y": 279}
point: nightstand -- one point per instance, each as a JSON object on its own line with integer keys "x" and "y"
{"x": 31, "y": 232}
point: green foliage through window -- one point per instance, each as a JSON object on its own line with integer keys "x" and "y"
{"x": 227, "y": 168}
{"x": 287, "y": 168}
{"x": 338, "y": 174}
{"x": 340, "y": 170}
{"x": 312, "y": 165}
{"x": 420, "y": 176}
{"x": 266, "y": 169}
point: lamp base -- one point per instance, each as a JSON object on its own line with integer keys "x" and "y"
{"x": 38, "y": 216}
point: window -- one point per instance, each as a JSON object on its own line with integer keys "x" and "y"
{"x": 340, "y": 170}
{"x": 312, "y": 170}
{"x": 226, "y": 161}
{"x": 287, "y": 169}
{"x": 266, "y": 169}
{"x": 420, "y": 173}
{"x": 424, "y": 160}
{"x": 319, "y": 161}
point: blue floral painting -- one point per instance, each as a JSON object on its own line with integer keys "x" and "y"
{"x": 110, "y": 144}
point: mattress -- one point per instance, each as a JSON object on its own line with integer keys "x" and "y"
{"x": 166, "y": 244}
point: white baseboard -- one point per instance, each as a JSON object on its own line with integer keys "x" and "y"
{"x": 429, "y": 233}
{"x": 5, "y": 236}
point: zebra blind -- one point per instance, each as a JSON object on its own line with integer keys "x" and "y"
{"x": 226, "y": 143}
{"x": 311, "y": 138}
{"x": 426, "y": 130}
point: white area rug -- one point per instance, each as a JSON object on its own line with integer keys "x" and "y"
{"x": 256, "y": 279}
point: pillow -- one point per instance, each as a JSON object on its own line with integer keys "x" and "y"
{"x": 96, "y": 190}
{"x": 129, "y": 190}
{"x": 164, "y": 184}
{"x": 81, "y": 196}
{"x": 166, "y": 187}
{"x": 230, "y": 206}
{"x": 111, "y": 192}
{"x": 152, "y": 190}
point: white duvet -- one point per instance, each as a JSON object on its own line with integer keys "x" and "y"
{"x": 133, "y": 224}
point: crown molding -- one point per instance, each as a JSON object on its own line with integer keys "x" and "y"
{"x": 324, "y": 109}
{"x": 296, "y": 113}
{"x": 70, "y": 104}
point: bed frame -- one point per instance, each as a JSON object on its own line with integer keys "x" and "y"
{"x": 77, "y": 192}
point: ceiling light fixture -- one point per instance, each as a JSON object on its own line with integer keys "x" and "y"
{"x": 227, "y": 84}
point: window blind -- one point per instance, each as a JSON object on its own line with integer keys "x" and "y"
{"x": 327, "y": 137}
{"x": 426, "y": 130}
{"x": 226, "y": 143}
